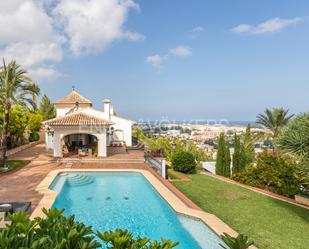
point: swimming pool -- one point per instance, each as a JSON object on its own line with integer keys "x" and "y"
{"x": 109, "y": 200}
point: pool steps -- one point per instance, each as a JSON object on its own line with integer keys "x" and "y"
{"x": 79, "y": 180}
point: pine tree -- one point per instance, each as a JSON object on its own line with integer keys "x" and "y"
{"x": 223, "y": 158}
{"x": 47, "y": 109}
{"x": 236, "y": 155}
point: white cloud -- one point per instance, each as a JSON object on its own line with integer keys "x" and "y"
{"x": 155, "y": 60}
{"x": 195, "y": 32}
{"x": 92, "y": 25}
{"x": 197, "y": 29}
{"x": 24, "y": 21}
{"x": 180, "y": 51}
{"x": 30, "y": 54}
{"x": 158, "y": 60}
{"x": 269, "y": 26}
{"x": 35, "y": 33}
{"x": 132, "y": 36}
{"x": 44, "y": 73}
{"x": 30, "y": 38}
{"x": 242, "y": 28}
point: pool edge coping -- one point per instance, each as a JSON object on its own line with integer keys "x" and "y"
{"x": 212, "y": 221}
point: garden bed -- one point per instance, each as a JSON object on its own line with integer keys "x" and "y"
{"x": 304, "y": 200}
{"x": 13, "y": 165}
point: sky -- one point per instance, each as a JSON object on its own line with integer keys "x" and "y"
{"x": 165, "y": 59}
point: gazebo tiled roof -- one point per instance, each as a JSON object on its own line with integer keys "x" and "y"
{"x": 76, "y": 119}
{"x": 72, "y": 98}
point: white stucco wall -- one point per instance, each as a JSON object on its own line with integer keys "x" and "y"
{"x": 119, "y": 123}
{"x": 125, "y": 126}
{"x": 62, "y": 111}
{"x": 122, "y": 124}
{"x": 49, "y": 140}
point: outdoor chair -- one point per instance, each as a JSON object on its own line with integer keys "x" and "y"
{"x": 14, "y": 207}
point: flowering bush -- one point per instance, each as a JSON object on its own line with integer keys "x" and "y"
{"x": 273, "y": 173}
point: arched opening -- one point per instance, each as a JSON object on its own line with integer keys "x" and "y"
{"x": 80, "y": 145}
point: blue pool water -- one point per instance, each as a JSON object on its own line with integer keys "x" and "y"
{"x": 107, "y": 201}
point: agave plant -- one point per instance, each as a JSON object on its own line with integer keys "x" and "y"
{"x": 240, "y": 242}
{"x": 294, "y": 141}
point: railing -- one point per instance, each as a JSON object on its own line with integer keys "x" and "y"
{"x": 134, "y": 141}
{"x": 158, "y": 165}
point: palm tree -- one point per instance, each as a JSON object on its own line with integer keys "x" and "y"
{"x": 47, "y": 109}
{"x": 15, "y": 88}
{"x": 274, "y": 120}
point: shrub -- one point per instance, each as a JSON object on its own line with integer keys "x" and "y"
{"x": 122, "y": 239}
{"x": 272, "y": 173}
{"x": 240, "y": 242}
{"x": 34, "y": 121}
{"x": 34, "y": 136}
{"x": 183, "y": 161}
{"x": 60, "y": 232}
{"x": 54, "y": 231}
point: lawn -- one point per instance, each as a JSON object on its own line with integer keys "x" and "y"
{"x": 268, "y": 222}
{"x": 175, "y": 175}
{"x": 15, "y": 164}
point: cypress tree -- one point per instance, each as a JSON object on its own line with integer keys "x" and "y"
{"x": 248, "y": 145}
{"x": 247, "y": 153}
{"x": 243, "y": 158}
{"x": 236, "y": 155}
{"x": 227, "y": 168}
{"x": 223, "y": 158}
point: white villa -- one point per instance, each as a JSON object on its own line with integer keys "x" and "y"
{"x": 80, "y": 128}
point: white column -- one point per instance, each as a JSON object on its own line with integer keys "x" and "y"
{"x": 57, "y": 145}
{"x": 163, "y": 168}
{"x": 102, "y": 145}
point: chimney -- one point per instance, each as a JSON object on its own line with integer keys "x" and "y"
{"x": 107, "y": 104}
{"x": 111, "y": 108}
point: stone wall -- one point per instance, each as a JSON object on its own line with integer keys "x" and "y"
{"x": 20, "y": 148}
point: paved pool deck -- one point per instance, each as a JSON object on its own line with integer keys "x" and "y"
{"x": 31, "y": 183}
{"x": 20, "y": 185}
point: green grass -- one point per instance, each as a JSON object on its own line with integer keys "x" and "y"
{"x": 15, "y": 164}
{"x": 175, "y": 175}
{"x": 268, "y": 222}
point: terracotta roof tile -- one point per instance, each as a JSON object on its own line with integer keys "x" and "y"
{"x": 79, "y": 118}
{"x": 72, "y": 98}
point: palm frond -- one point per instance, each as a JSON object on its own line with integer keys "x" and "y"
{"x": 274, "y": 119}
